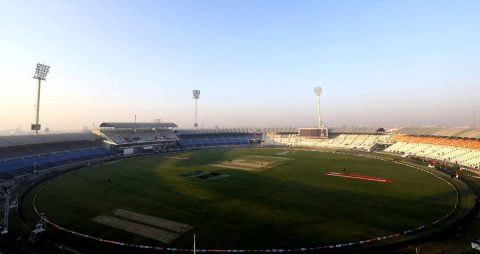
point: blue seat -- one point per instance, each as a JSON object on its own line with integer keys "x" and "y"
{"x": 25, "y": 165}
{"x": 202, "y": 140}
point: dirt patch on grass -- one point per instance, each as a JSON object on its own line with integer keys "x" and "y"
{"x": 253, "y": 163}
{"x": 179, "y": 157}
{"x": 137, "y": 228}
{"x": 159, "y": 229}
{"x": 153, "y": 221}
{"x": 207, "y": 175}
{"x": 284, "y": 153}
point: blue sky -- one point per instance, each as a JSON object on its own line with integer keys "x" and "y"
{"x": 380, "y": 63}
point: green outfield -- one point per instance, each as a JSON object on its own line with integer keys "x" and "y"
{"x": 244, "y": 198}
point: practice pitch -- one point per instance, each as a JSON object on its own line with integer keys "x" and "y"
{"x": 159, "y": 229}
{"x": 360, "y": 177}
{"x": 253, "y": 163}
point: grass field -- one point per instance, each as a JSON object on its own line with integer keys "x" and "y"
{"x": 289, "y": 204}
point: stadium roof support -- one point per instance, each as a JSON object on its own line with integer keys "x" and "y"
{"x": 357, "y": 130}
{"x": 442, "y": 132}
{"x": 127, "y": 125}
{"x": 20, "y": 140}
{"x": 218, "y": 131}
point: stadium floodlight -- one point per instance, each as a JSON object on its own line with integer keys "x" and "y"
{"x": 196, "y": 96}
{"x": 318, "y": 92}
{"x": 41, "y": 74}
{"x": 41, "y": 71}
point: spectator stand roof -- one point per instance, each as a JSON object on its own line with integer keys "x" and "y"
{"x": 217, "y": 131}
{"x": 442, "y": 132}
{"x": 281, "y": 130}
{"x": 357, "y": 130}
{"x": 21, "y": 140}
{"x": 125, "y": 125}
{"x": 285, "y": 130}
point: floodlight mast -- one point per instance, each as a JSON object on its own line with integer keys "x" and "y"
{"x": 194, "y": 245}
{"x": 196, "y": 96}
{"x": 41, "y": 74}
{"x": 474, "y": 125}
{"x": 318, "y": 92}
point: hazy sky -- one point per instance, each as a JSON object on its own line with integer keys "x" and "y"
{"x": 380, "y": 63}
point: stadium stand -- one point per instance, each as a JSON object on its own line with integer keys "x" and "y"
{"x": 455, "y": 145}
{"x": 348, "y": 138}
{"x": 137, "y": 138}
{"x": 200, "y": 138}
{"x": 279, "y": 136}
{"x": 139, "y": 135}
{"x": 20, "y": 155}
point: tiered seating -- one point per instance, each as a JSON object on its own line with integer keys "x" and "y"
{"x": 283, "y": 139}
{"x": 359, "y": 141}
{"x": 457, "y": 142}
{"x": 371, "y": 140}
{"x": 19, "y": 156}
{"x": 462, "y": 151}
{"x": 278, "y": 136}
{"x": 125, "y": 136}
{"x": 268, "y": 138}
{"x": 36, "y": 149}
{"x": 13, "y": 167}
{"x": 280, "y": 139}
{"x": 208, "y": 140}
{"x": 349, "y": 141}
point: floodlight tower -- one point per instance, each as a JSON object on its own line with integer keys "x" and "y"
{"x": 196, "y": 96}
{"x": 474, "y": 117}
{"x": 318, "y": 92}
{"x": 41, "y": 74}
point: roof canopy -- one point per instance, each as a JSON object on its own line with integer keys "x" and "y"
{"x": 289, "y": 130}
{"x": 357, "y": 130}
{"x": 20, "y": 140}
{"x": 138, "y": 125}
{"x": 217, "y": 131}
{"x": 442, "y": 132}
{"x": 281, "y": 130}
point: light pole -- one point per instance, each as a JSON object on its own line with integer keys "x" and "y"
{"x": 41, "y": 74}
{"x": 474, "y": 124}
{"x": 318, "y": 92}
{"x": 196, "y": 96}
{"x": 194, "y": 245}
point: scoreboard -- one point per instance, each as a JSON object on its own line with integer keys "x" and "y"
{"x": 313, "y": 132}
